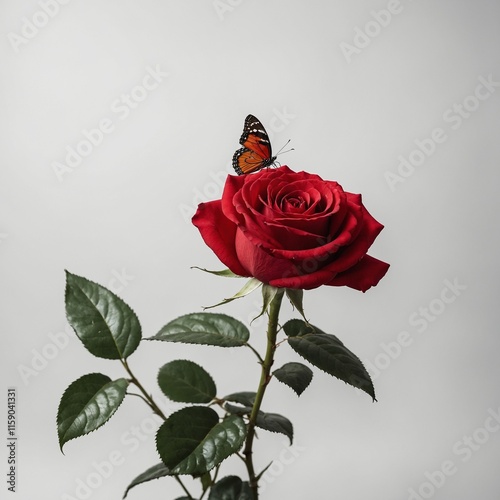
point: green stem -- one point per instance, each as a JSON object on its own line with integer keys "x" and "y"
{"x": 212, "y": 482}
{"x": 259, "y": 357}
{"x": 178, "y": 479}
{"x": 265, "y": 377}
{"x": 151, "y": 403}
{"x": 147, "y": 397}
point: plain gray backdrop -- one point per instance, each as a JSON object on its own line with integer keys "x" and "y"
{"x": 397, "y": 100}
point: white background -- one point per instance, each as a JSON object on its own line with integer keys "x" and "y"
{"x": 125, "y": 210}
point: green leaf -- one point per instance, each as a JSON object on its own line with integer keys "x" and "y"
{"x": 186, "y": 382}
{"x": 105, "y": 324}
{"x": 223, "y": 440}
{"x": 245, "y": 401}
{"x": 237, "y": 410}
{"x": 230, "y": 488}
{"x": 226, "y": 273}
{"x": 206, "y": 481}
{"x": 178, "y": 437}
{"x": 249, "y": 287}
{"x": 87, "y": 404}
{"x": 294, "y": 375}
{"x": 193, "y": 441}
{"x": 275, "y": 423}
{"x": 243, "y": 398}
{"x": 329, "y": 354}
{"x": 296, "y": 295}
{"x": 155, "y": 472}
{"x": 297, "y": 327}
{"x": 205, "y": 328}
{"x": 268, "y": 421}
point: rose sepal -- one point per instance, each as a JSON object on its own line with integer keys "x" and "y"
{"x": 251, "y": 285}
{"x": 296, "y": 297}
{"x": 225, "y": 273}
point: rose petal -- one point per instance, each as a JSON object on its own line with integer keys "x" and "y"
{"x": 219, "y": 233}
{"x": 292, "y": 229}
{"x": 357, "y": 234}
{"x": 304, "y": 281}
{"x": 292, "y": 239}
{"x": 233, "y": 185}
{"x": 367, "y": 273}
{"x": 260, "y": 264}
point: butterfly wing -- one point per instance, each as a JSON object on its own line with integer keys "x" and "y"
{"x": 246, "y": 161}
{"x": 255, "y": 137}
{"x": 257, "y": 152}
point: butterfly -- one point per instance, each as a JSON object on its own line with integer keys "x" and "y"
{"x": 256, "y": 153}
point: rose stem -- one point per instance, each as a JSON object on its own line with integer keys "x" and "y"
{"x": 272, "y": 331}
{"x": 147, "y": 397}
{"x": 150, "y": 401}
{"x": 178, "y": 479}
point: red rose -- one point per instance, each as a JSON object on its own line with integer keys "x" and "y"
{"x": 292, "y": 229}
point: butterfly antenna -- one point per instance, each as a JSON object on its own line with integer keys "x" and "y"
{"x": 283, "y": 147}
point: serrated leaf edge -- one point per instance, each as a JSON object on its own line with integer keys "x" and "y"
{"x": 201, "y": 343}
{"x": 324, "y": 371}
{"x": 288, "y": 385}
{"x": 270, "y": 430}
{"x": 194, "y": 363}
{"x": 104, "y": 320}
{"x": 199, "y": 446}
{"x": 97, "y": 428}
{"x": 131, "y": 485}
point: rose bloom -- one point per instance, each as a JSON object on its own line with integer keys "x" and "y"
{"x": 292, "y": 229}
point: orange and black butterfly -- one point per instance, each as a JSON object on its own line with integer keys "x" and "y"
{"x": 256, "y": 152}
